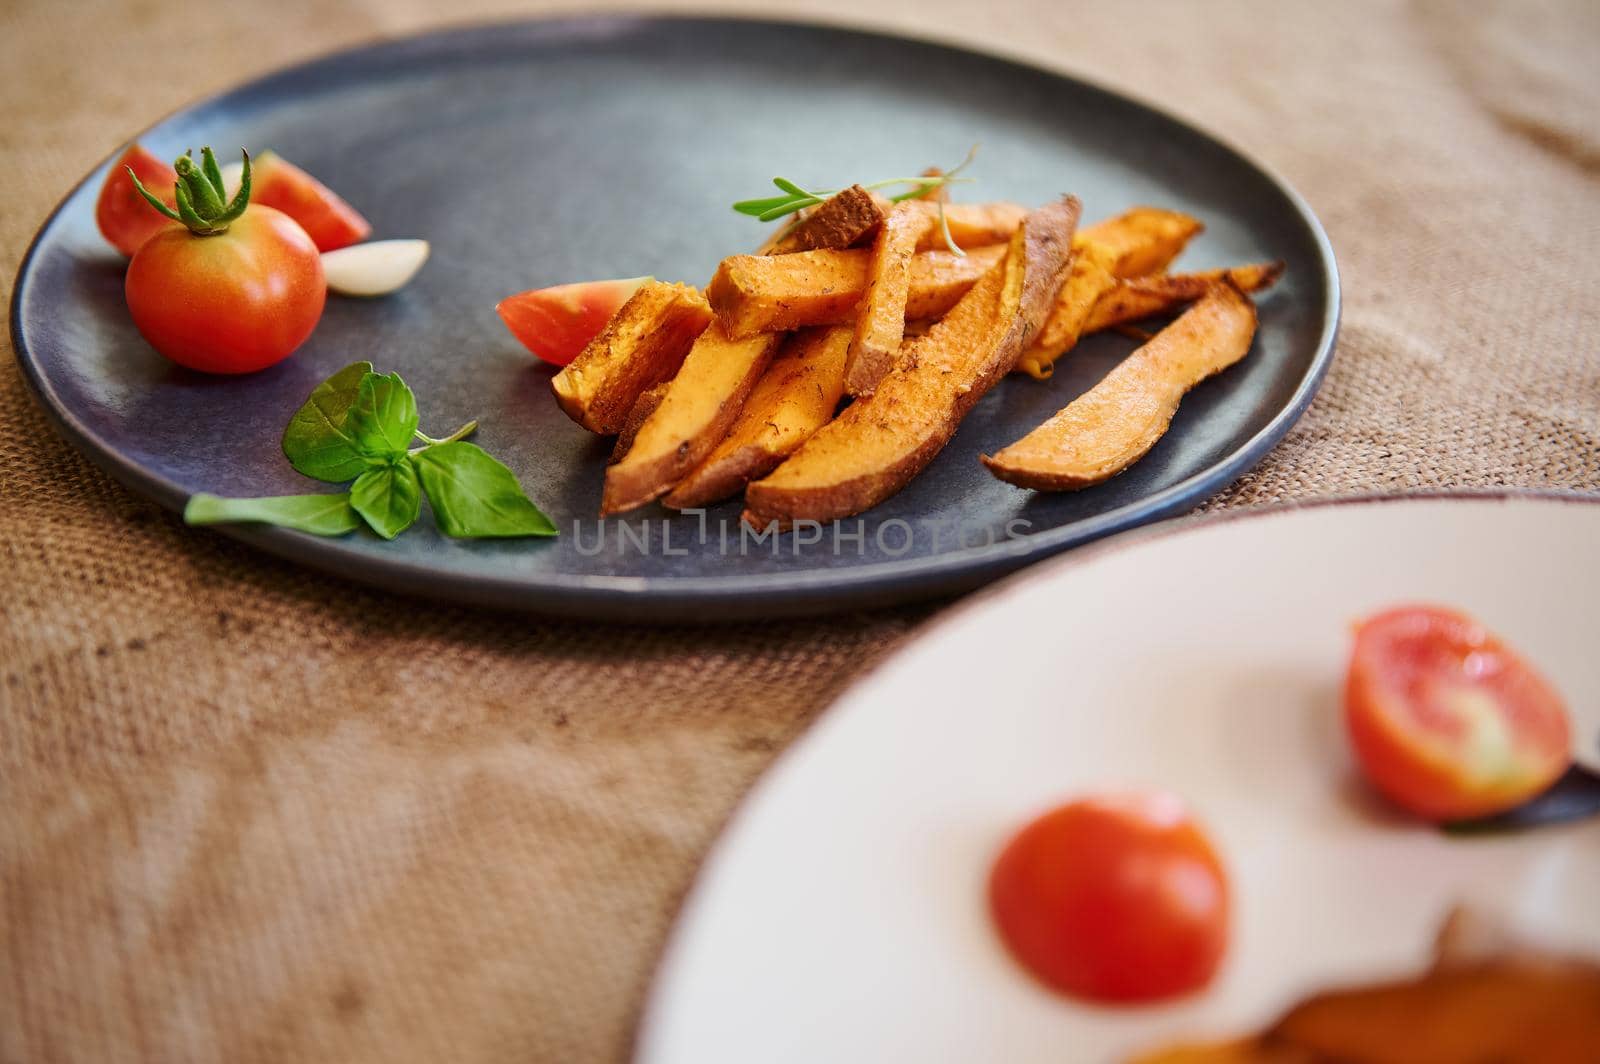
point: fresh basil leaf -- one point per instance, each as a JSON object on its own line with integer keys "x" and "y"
{"x": 384, "y": 417}
{"x": 317, "y": 442}
{"x": 389, "y": 497}
{"x": 473, "y": 495}
{"x": 321, "y": 515}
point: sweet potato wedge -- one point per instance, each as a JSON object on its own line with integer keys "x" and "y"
{"x": 644, "y": 343}
{"x": 843, "y": 220}
{"x": 1143, "y": 240}
{"x": 1143, "y": 297}
{"x": 1087, "y": 282}
{"x": 693, "y": 416}
{"x": 974, "y": 225}
{"x": 638, "y": 414}
{"x": 881, "y": 312}
{"x": 880, "y": 442}
{"x": 775, "y": 293}
{"x": 794, "y": 398}
{"x": 1115, "y": 423}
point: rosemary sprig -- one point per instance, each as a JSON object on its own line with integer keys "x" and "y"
{"x": 795, "y": 198}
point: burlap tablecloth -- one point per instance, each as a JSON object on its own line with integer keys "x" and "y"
{"x": 252, "y": 813}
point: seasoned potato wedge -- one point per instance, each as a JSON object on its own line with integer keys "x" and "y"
{"x": 880, "y": 442}
{"x": 775, "y": 293}
{"x": 794, "y": 398}
{"x": 841, "y": 221}
{"x": 643, "y": 344}
{"x": 973, "y": 225}
{"x": 1090, "y": 278}
{"x": 1115, "y": 423}
{"x": 692, "y": 417}
{"x": 1143, "y": 297}
{"x": 881, "y": 313}
{"x": 1143, "y": 240}
{"x": 641, "y": 410}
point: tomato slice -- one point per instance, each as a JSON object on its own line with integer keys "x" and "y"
{"x": 1117, "y": 899}
{"x": 330, "y": 221}
{"x": 1447, "y": 720}
{"x": 124, "y": 218}
{"x": 558, "y": 323}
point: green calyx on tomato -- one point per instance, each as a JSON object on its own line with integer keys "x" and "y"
{"x": 201, "y": 194}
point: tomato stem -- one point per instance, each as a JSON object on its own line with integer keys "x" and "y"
{"x": 199, "y": 192}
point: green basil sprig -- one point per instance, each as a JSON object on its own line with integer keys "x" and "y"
{"x": 358, "y": 426}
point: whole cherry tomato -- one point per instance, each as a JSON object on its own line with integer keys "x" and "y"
{"x": 1447, "y": 720}
{"x": 235, "y": 289}
{"x": 1116, "y": 899}
{"x": 123, "y": 216}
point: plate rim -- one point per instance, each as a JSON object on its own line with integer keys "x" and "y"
{"x": 736, "y": 596}
{"x": 651, "y": 1010}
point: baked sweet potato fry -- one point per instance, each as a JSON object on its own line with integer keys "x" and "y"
{"x": 1143, "y": 240}
{"x": 1115, "y": 423}
{"x": 1144, "y": 297}
{"x": 881, "y": 313}
{"x": 974, "y": 225}
{"x": 794, "y": 398}
{"x": 644, "y": 343}
{"x": 693, "y": 416}
{"x": 640, "y": 412}
{"x": 841, "y": 221}
{"x": 1088, "y": 281}
{"x": 880, "y": 442}
{"x": 775, "y": 293}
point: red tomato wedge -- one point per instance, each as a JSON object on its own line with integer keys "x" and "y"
{"x": 123, "y": 216}
{"x": 558, "y": 323}
{"x": 330, "y": 221}
{"x": 1116, "y": 899}
{"x": 1446, "y": 720}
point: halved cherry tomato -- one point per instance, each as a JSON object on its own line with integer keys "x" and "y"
{"x": 558, "y": 323}
{"x": 1117, "y": 899}
{"x": 331, "y": 222}
{"x": 235, "y": 289}
{"x": 123, "y": 216}
{"x": 1447, "y": 720}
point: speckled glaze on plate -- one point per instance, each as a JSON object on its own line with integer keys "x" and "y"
{"x": 541, "y": 152}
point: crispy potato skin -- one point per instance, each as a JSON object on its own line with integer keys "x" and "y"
{"x": 881, "y": 313}
{"x": 694, "y": 414}
{"x": 760, "y": 293}
{"x": 638, "y": 414}
{"x": 795, "y": 397}
{"x": 644, "y": 343}
{"x": 880, "y": 442}
{"x": 1115, "y": 423}
{"x": 841, "y": 221}
{"x": 1143, "y": 297}
{"x": 1143, "y": 240}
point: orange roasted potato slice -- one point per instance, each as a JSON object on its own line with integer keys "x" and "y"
{"x": 1143, "y": 297}
{"x": 644, "y": 343}
{"x": 694, "y": 414}
{"x": 1115, "y": 423}
{"x": 880, "y": 442}
{"x": 1088, "y": 281}
{"x": 1143, "y": 240}
{"x": 881, "y": 312}
{"x": 638, "y": 414}
{"x": 973, "y": 225}
{"x": 794, "y": 398}
{"x": 841, "y": 221}
{"x": 776, "y": 293}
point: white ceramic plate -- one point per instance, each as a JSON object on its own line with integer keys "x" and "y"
{"x": 841, "y": 917}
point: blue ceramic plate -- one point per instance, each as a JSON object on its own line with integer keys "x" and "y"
{"x": 538, "y": 153}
